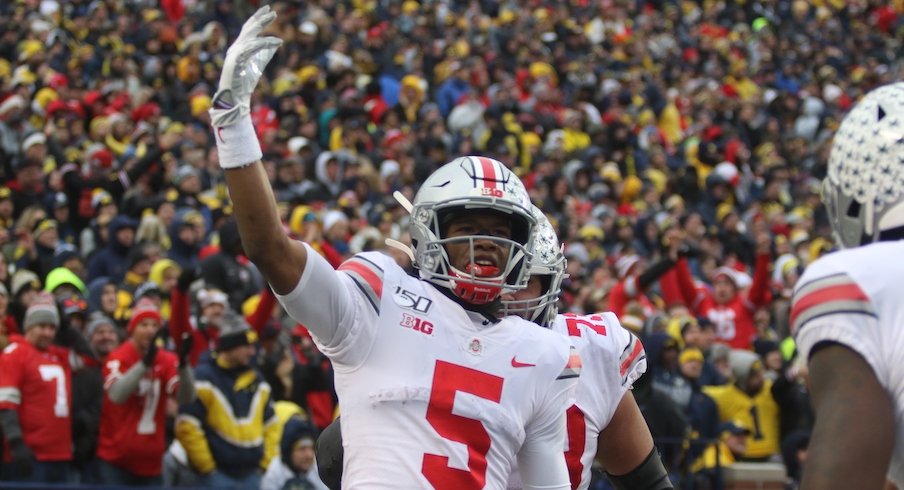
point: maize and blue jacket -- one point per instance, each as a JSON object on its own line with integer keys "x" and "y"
{"x": 231, "y": 426}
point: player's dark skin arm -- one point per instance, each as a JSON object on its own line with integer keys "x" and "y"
{"x": 626, "y": 441}
{"x": 280, "y": 260}
{"x": 854, "y": 434}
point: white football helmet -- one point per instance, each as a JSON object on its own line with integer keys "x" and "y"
{"x": 864, "y": 189}
{"x": 549, "y": 263}
{"x": 471, "y": 183}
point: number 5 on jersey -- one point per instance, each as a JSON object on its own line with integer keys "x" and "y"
{"x": 447, "y": 380}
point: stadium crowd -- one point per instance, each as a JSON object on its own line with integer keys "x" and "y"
{"x": 677, "y": 147}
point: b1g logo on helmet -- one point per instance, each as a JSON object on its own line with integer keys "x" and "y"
{"x": 490, "y": 192}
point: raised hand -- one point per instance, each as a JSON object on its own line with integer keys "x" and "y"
{"x": 245, "y": 61}
{"x": 188, "y": 341}
{"x": 151, "y": 353}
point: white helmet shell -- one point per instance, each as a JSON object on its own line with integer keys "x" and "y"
{"x": 548, "y": 262}
{"x": 864, "y": 189}
{"x": 471, "y": 183}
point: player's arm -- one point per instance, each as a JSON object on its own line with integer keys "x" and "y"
{"x": 541, "y": 459}
{"x": 854, "y": 434}
{"x": 626, "y": 450}
{"x": 279, "y": 259}
{"x": 308, "y": 287}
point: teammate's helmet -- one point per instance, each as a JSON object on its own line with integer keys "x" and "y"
{"x": 470, "y": 184}
{"x": 548, "y": 263}
{"x": 864, "y": 189}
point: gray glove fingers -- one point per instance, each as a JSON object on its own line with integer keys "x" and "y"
{"x": 255, "y": 45}
{"x": 257, "y": 23}
{"x": 262, "y": 50}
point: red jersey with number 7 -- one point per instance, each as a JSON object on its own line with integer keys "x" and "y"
{"x": 37, "y": 384}
{"x": 133, "y": 434}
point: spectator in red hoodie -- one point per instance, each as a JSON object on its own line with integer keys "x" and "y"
{"x": 729, "y": 307}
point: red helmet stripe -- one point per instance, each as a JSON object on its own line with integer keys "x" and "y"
{"x": 489, "y": 172}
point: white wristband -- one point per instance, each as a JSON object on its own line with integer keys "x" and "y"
{"x": 237, "y": 144}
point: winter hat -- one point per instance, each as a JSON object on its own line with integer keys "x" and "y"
{"x": 624, "y": 265}
{"x": 234, "y": 332}
{"x": 690, "y": 354}
{"x": 60, "y": 276}
{"x": 207, "y": 297}
{"x": 24, "y": 278}
{"x": 743, "y": 363}
{"x": 147, "y": 288}
{"x": 143, "y": 310}
{"x": 42, "y": 311}
{"x": 95, "y": 321}
{"x": 63, "y": 253}
{"x": 331, "y": 218}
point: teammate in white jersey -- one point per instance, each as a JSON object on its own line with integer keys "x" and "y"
{"x": 436, "y": 390}
{"x": 848, "y": 307}
{"x": 604, "y": 423}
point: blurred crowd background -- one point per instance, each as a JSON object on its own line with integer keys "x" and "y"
{"x": 677, "y": 146}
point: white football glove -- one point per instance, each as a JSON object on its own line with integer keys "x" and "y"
{"x": 245, "y": 61}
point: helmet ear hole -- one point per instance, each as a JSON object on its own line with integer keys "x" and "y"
{"x": 853, "y": 210}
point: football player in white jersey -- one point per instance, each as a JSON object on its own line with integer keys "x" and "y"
{"x": 604, "y": 423}
{"x": 436, "y": 389}
{"x": 848, "y": 307}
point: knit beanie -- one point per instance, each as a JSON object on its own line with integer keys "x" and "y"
{"x": 43, "y": 311}
{"x": 234, "y": 332}
{"x": 24, "y": 278}
{"x": 144, "y": 309}
{"x": 742, "y": 364}
{"x": 95, "y": 321}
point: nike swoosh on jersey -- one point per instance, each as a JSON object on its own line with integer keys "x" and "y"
{"x": 837, "y": 293}
{"x": 367, "y": 276}
{"x": 518, "y": 364}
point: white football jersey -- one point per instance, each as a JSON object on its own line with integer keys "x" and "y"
{"x": 853, "y": 297}
{"x": 613, "y": 358}
{"x": 433, "y": 395}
